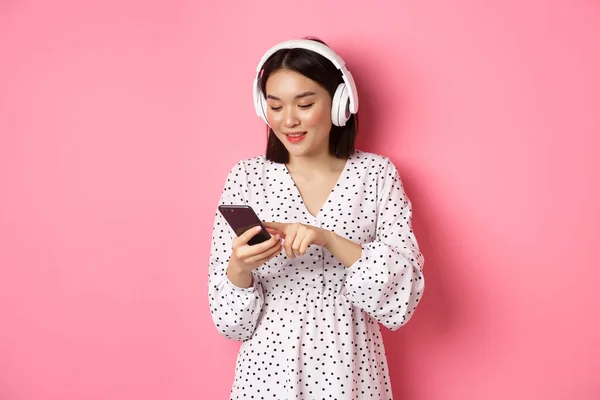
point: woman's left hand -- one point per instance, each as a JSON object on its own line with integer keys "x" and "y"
{"x": 299, "y": 236}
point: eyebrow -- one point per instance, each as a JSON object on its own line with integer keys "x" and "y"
{"x": 301, "y": 95}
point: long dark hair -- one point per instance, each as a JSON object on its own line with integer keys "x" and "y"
{"x": 318, "y": 68}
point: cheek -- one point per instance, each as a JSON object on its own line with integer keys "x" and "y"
{"x": 273, "y": 118}
{"x": 318, "y": 116}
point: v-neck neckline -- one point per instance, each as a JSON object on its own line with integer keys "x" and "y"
{"x": 329, "y": 196}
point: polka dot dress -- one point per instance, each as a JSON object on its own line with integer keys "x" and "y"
{"x": 310, "y": 326}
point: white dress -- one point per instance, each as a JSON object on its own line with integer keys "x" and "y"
{"x": 310, "y": 326}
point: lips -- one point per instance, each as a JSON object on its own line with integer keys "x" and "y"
{"x": 295, "y": 137}
{"x": 294, "y": 134}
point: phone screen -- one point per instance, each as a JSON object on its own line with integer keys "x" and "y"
{"x": 242, "y": 218}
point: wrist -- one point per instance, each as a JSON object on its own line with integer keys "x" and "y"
{"x": 240, "y": 277}
{"x": 330, "y": 238}
{"x": 343, "y": 249}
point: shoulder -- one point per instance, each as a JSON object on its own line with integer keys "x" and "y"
{"x": 247, "y": 164}
{"x": 385, "y": 177}
{"x": 248, "y": 170}
{"x": 381, "y": 169}
{"x": 373, "y": 161}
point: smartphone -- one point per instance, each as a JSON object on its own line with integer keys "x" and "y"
{"x": 241, "y": 218}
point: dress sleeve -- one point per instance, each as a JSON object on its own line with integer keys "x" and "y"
{"x": 387, "y": 281}
{"x": 234, "y": 310}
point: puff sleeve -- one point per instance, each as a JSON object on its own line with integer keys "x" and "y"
{"x": 387, "y": 282}
{"x": 234, "y": 310}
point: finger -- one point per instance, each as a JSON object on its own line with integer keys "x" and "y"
{"x": 287, "y": 244}
{"x": 298, "y": 242}
{"x": 265, "y": 256}
{"x": 264, "y": 260}
{"x": 275, "y": 232}
{"x": 245, "y": 237}
{"x": 253, "y": 250}
{"x": 280, "y": 226}
{"x": 307, "y": 241}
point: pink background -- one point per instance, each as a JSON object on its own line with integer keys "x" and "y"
{"x": 120, "y": 119}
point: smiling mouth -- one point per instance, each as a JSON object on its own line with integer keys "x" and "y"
{"x": 295, "y": 134}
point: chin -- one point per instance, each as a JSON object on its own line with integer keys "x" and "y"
{"x": 297, "y": 152}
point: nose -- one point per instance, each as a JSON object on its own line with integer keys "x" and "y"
{"x": 290, "y": 119}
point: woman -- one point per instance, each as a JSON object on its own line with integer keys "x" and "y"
{"x": 342, "y": 257}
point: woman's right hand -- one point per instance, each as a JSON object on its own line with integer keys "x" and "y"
{"x": 245, "y": 257}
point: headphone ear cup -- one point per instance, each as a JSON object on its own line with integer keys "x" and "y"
{"x": 340, "y": 105}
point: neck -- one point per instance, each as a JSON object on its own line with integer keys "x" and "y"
{"x": 315, "y": 164}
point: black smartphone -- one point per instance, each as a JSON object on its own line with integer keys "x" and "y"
{"x": 241, "y": 218}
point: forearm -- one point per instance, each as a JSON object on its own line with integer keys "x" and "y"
{"x": 241, "y": 278}
{"x": 346, "y": 251}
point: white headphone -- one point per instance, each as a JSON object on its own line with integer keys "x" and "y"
{"x": 345, "y": 98}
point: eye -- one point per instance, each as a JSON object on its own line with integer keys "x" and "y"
{"x": 305, "y": 106}
{"x": 275, "y": 108}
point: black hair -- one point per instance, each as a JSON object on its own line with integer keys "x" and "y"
{"x": 319, "y": 69}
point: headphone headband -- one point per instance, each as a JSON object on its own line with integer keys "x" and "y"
{"x": 307, "y": 44}
{"x": 318, "y": 48}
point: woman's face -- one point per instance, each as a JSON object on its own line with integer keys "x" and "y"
{"x": 299, "y": 112}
